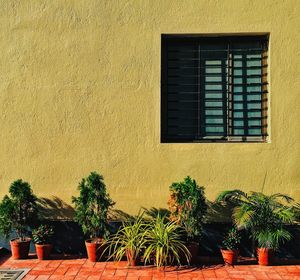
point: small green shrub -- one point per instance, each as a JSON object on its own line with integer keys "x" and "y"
{"x": 43, "y": 234}
{"x": 232, "y": 239}
{"x": 18, "y": 211}
{"x": 92, "y": 206}
{"x": 188, "y": 207}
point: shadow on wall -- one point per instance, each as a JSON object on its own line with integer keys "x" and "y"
{"x": 219, "y": 212}
{"x": 55, "y": 209}
{"x": 69, "y": 237}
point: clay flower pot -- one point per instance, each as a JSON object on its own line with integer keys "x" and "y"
{"x": 230, "y": 256}
{"x": 94, "y": 249}
{"x": 43, "y": 251}
{"x": 265, "y": 256}
{"x": 20, "y": 248}
{"x": 131, "y": 261}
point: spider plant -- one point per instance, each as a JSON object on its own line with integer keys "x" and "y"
{"x": 264, "y": 215}
{"x": 129, "y": 241}
{"x": 164, "y": 243}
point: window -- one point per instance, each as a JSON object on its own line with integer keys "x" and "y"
{"x": 214, "y": 88}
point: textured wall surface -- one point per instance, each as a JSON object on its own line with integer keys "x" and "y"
{"x": 80, "y": 91}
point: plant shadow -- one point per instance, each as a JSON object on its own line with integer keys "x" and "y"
{"x": 153, "y": 212}
{"x": 55, "y": 209}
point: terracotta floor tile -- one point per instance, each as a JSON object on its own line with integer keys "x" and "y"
{"x": 94, "y": 277}
{"x": 71, "y": 269}
{"x": 72, "y": 272}
{"x": 45, "y": 269}
{"x": 184, "y": 277}
{"x": 54, "y": 264}
{"x": 39, "y": 272}
{"x": 198, "y": 278}
{"x": 29, "y": 277}
{"x": 145, "y": 278}
{"x": 209, "y": 274}
{"x": 56, "y": 277}
{"x": 43, "y": 277}
{"x": 100, "y": 265}
{"x": 60, "y": 270}
{"x": 249, "y": 277}
{"x": 108, "y": 273}
{"x": 260, "y": 275}
{"x": 146, "y": 273}
{"x": 107, "y": 277}
{"x": 121, "y": 272}
{"x": 89, "y": 264}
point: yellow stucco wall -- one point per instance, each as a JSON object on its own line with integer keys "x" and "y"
{"x": 80, "y": 91}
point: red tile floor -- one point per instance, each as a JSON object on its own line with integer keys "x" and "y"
{"x": 80, "y": 268}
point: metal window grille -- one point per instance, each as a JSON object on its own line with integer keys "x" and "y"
{"x": 214, "y": 88}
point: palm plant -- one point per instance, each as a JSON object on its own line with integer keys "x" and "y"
{"x": 129, "y": 241}
{"x": 164, "y": 243}
{"x": 264, "y": 215}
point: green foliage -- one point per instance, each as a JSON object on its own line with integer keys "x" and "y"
{"x": 43, "y": 234}
{"x": 156, "y": 239}
{"x": 232, "y": 239}
{"x": 19, "y": 210}
{"x": 188, "y": 207}
{"x": 6, "y": 216}
{"x": 272, "y": 238}
{"x": 129, "y": 238}
{"x": 164, "y": 243}
{"x": 265, "y": 216}
{"x": 92, "y": 205}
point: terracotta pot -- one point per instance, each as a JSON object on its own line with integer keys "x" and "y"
{"x": 43, "y": 251}
{"x": 94, "y": 249}
{"x": 230, "y": 256}
{"x": 20, "y": 248}
{"x": 193, "y": 248}
{"x": 265, "y": 256}
{"x": 131, "y": 261}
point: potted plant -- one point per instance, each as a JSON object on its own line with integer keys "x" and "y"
{"x": 230, "y": 246}
{"x": 188, "y": 207}
{"x": 129, "y": 241}
{"x": 265, "y": 216}
{"x": 17, "y": 213}
{"x": 42, "y": 237}
{"x": 91, "y": 210}
{"x": 164, "y": 243}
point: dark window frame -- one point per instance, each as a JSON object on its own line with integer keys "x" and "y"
{"x": 225, "y": 40}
